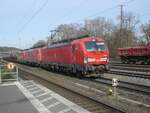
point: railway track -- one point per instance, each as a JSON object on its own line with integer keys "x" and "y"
{"x": 143, "y": 89}
{"x": 132, "y": 70}
{"x": 98, "y": 95}
{"x": 89, "y": 90}
{"x": 123, "y": 84}
{"x": 131, "y": 65}
{"x": 130, "y": 73}
{"x": 85, "y": 102}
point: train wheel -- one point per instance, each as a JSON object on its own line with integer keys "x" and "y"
{"x": 79, "y": 74}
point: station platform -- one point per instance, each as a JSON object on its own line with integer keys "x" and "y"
{"x": 30, "y": 97}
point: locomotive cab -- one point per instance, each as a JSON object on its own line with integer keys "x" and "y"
{"x": 90, "y": 55}
{"x": 96, "y": 57}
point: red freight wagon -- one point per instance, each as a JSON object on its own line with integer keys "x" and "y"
{"x": 135, "y": 54}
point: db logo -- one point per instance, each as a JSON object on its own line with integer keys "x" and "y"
{"x": 10, "y": 66}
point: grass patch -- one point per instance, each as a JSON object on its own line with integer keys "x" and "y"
{"x": 5, "y": 76}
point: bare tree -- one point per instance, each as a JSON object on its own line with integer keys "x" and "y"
{"x": 99, "y": 26}
{"x": 70, "y": 30}
{"x": 146, "y": 30}
{"x": 66, "y": 31}
{"x": 102, "y": 27}
{"x": 40, "y": 43}
{"x": 130, "y": 21}
{"x": 124, "y": 36}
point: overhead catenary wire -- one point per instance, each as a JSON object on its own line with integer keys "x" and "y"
{"x": 33, "y": 16}
{"x": 100, "y": 12}
{"x": 93, "y": 15}
{"x": 105, "y": 10}
{"x": 108, "y": 9}
{"x": 70, "y": 12}
{"x": 28, "y": 21}
{"x": 128, "y": 2}
{"x": 146, "y": 14}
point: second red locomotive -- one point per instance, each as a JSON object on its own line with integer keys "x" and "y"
{"x": 86, "y": 56}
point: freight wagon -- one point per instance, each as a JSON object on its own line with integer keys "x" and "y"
{"x": 135, "y": 54}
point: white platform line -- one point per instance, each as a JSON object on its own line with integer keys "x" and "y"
{"x": 7, "y": 84}
{"x": 41, "y": 95}
{"x": 44, "y": 89}
{"x": 52, "y": 105}
{"x": 61, "y": 99}
{"x": 46, "y": 99}
{"x": 28, "y": 87}
{"x": 26, "y": 83}
{"x": 34, "y": 88}
{"x": 68, "y": 103}
{"x": 35, "y": 102}
{"x": 36, "y": 91}
{"x": 65, "y": 110}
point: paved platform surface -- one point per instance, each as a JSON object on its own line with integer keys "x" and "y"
{"x": 30, "y": 97}
{"x": 13, "y": 101}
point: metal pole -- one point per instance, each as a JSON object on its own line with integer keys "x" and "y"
{"x": 121, "y": 23}
{"x": 0, "y": 75}
{"x": 17, "y": 73}
{"x": 121, "y": 16}
{"x": 115, "y": 92}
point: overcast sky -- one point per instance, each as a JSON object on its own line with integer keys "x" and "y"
{"x": 23, "y": 22}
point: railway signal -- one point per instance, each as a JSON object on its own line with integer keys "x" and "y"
{"x": 115, "y": 84}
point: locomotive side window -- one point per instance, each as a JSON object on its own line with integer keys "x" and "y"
{"x": 95, "y": 46}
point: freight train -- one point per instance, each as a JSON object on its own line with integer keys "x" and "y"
{"x": 88, "y": 56}
{"x": 135, "y": 54}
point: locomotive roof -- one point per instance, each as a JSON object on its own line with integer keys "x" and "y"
{"x": 60, "y": 44}
{"x": 68, "y": 41}
{"x": 72, "y": 39}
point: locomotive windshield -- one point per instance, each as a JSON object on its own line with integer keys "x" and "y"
{"x": 95, "y": 46}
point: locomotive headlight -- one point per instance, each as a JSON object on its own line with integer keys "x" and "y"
{"x": 85, "y": 60}
{"x": 91, "y": 59}
{"x": 107, "y": 59}
{"x": 104, "y": 59}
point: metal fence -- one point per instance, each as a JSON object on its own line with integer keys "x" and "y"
{"x": 8, "y": 73}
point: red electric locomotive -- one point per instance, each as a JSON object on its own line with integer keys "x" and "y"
{"x": 135, "y": 54}
{"x": 31, "y": 56}
{"x": 85, "y": 56}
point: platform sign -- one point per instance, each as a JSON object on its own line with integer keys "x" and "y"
{"x": 0, "y": 75}
{"x": 8, "y": 72}
{"x": 10, "y": 66}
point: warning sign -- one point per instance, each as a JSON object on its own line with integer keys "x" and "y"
{"x": 10, "y": 66}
